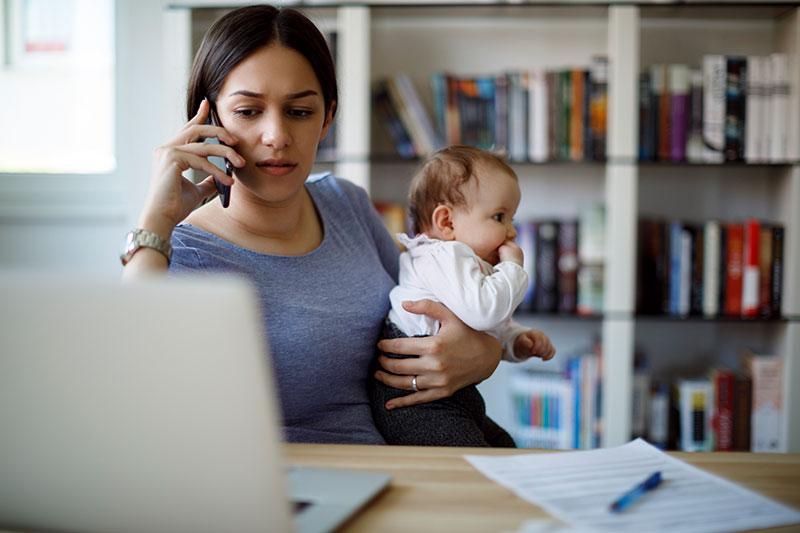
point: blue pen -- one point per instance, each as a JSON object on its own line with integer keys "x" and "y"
{"x": 624, "y": 501}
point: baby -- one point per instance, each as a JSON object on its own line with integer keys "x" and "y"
{"x": 462, "y": 204}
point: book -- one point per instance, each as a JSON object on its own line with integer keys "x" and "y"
{"x": 742, "y": 407}
{"x": 391, "y": 121}
{"x": 754, "y": 111}
{"x": 711, "y": 268}
{"x": 765, "y": 271}
{"x": 697, "y": 261}
{"x": 526, "y": 239}
{"x": 647, "y": 118}
{"x": 779, "y": 107}
{"x": 598, "y": 107}
{"x": 538, "y": 121}
{"x": 777, "y": 270}
{"x": 658, "y": 427}
{"x": 714, "y": 81}
{"x": 694, "y": 405}
{"x": 546, "y": 295}
{"x": 679, "y": 111}
{"x": 722, "y": 381}
{"x": 660, "y": 81}
{"x": 694, "y": 141}
{"x": 576, "y": 118}
{"x": 766, "y": 372}
{"x": 544, "y": 410}
{"x": 751, "y": 271}
{"x": 640, "y": 403}
{"x": 735, "y": 103}
{"x": 733, "y": 269}
{"x": 567, "y": 266}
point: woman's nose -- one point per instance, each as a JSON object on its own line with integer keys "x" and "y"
{"x": 275, "y": 133}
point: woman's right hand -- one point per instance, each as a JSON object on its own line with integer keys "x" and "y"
{"x": 171, "y": 197}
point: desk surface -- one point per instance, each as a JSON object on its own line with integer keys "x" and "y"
{"x": 435, "y": 489}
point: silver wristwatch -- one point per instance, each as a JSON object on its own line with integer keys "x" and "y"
{"x": 142, "y": 238}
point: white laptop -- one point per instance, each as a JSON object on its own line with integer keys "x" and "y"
{"x": 149, "y": 407}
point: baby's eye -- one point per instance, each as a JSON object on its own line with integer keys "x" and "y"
{"x": 499, "y": 217}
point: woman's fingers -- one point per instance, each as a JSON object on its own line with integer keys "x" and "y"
{"x": 211, "y": 149}
{"x": 423, "y": 396}
{"x": 435, "y": 310}
{"x": 198, "y": 132}
{"x": 186, "y": 160}
{"x": 207, "y": 188}
{"x": 202, "y": 113}
{"x": 409, "y": 345}
{"x": 406, "y": 367}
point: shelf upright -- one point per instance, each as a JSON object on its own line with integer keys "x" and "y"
{"x": 788, "y": 42}
{"x": 621, "y": 209}
{"x": 353, "y": 118}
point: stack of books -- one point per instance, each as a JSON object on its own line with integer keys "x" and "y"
{"x": 713, "y": 269}
{"x": 732, "y": 109}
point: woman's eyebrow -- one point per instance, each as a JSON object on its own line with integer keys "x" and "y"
{"x": 291, "y": 96}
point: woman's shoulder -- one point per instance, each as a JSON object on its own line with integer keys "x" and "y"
{"x": 326, "y": 187}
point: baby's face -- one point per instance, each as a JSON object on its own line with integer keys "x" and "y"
{"x": 486, "y": 222}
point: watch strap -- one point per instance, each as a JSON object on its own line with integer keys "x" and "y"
{"x": 142, "y": 238}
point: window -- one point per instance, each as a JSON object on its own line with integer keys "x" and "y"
{"x": 57, "y": 86}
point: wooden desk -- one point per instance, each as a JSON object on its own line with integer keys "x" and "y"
{"x": 435, "y": 489}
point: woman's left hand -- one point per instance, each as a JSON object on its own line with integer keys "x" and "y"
{"x": 455, "y": 357}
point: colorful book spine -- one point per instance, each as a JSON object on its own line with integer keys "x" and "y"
{"x": 679, "y": 111}
{"x": 695, "y": 405}
{"x": 576, "y": 119}
{"x": 735, "y": 104}
{"x": 526, "y": 239}
{"x": 733, "y": 273}
{"x": 723, "y": 383}
{"x": 743, "y": 403}
{"x": 694, "y": 141}
{"x": 647, "y": 112}
{"x": 598, "y": 107}
{"x": 777, "y": 270}
{"x": 675, "y": 251}
{"x": 751, "y": 270}
{"x": 546, "y": 297}
{"x": 765, "y": 271}
{"x": 660, "y": 78}
{"x": 697, "y": 260}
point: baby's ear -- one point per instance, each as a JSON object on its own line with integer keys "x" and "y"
{"x": 442, "y": 220}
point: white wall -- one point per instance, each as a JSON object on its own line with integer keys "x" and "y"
{"x": 77, "y": 223}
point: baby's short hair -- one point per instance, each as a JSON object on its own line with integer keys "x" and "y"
{"x": 442, "y": 178}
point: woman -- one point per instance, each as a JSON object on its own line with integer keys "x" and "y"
{"x": 315, "y": 249}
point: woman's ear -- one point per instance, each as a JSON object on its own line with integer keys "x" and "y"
{"x": 442, "y": 221}
{"x": 326, "y": 126}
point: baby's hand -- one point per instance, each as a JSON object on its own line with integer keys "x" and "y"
{"x": 509, "y": 251}
{"x": 533, "y": 343}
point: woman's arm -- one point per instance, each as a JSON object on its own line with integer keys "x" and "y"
{"x": 455, "y": 357}
{"x": 172, "y": 197}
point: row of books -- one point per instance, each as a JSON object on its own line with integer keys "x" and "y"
{"x": 533, "y": 115}
{"x": 565, "y": 262}
{"x": 557, "y": 410}
{"x": 712, "y": 269}
{"x": 725, "y": 411}
{"x": 733, "y": 109}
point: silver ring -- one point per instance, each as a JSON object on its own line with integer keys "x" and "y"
{"x": 414, "y": 384}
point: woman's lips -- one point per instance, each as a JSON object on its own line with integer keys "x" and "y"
{"x": 276, "y": 167}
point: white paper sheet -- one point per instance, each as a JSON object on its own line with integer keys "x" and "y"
{"x": 578, "y": 487}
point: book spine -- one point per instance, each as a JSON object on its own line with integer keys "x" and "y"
{"x": 539, "y": 119}
{"x": 392, "y": 122}
{"x": 686, "y": 272}
{"x": 698, "y": 249}
{"x": 576, "y": 115}
{"x": 779, "y": 107}
{"x": 552, "y": 120}
{"x": 714, "y": 76}
{"x": 711, "y": 254}
{"x": 658, "y": 431}
{"x": 501, "y": 113}
{"x": 695, "y": 417}
{"x": 777, "y": 270}
{"x": 586, "y": 133}
{"x": 733, "y": 265}
{"x": 598, "y": 107}
{"x": 723, "y": 414}
{"x": 453, "y": 118}
{"x": 661, "y": 83}
{"x": 743, "y": 395}
{"x": 404, "y": 112}
{"x": 694, "y": 142}
{"x": 735, "y": 104}
{"x": 765, "y": 271}
{"x": 767, "y": 375}
{"x": 751, "y": 271}
{"x": 723, "y": 267}
{"x": 566, "y": 115}
{"x": 546, "y": 266}
{"x": 645, "y": 112}
{"x": 753, "y": 136}
{"x": 675, "y": 246}
{"x": 568, "y": 266}
{"x": 419, "y": 113}
{"x": 679, "y": 111}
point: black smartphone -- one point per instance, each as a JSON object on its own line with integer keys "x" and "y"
{"x": 222, "y": 162}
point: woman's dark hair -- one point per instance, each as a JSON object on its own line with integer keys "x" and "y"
{"x": 241, "y": 32}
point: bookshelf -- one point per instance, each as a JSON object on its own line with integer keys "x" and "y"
{"x": 377, "y": 38}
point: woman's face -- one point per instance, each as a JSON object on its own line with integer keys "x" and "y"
{"x": 272, "y": 102}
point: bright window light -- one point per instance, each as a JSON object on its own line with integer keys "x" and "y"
{"x": 57, "y": 86}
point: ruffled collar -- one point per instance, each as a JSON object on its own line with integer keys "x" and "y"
{"x": 414, "y": 242}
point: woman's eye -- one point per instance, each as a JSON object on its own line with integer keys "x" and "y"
{"x": 247, "y": 113}
{"x": 300, "y": 112}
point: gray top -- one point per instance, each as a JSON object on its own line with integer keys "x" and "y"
{"x": 323, "y": 310}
